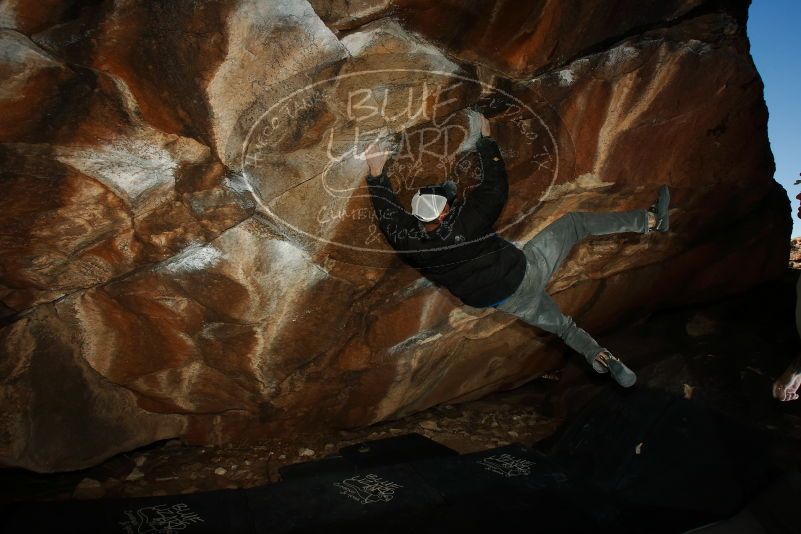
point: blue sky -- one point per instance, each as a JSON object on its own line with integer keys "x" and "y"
{"x": 774, "y": 27}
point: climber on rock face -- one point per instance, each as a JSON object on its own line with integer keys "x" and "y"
{"x": 452, "y": 243}
{"x": 786, "y": 386}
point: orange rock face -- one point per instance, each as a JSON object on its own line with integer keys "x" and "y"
{"x": 188, "y": 249}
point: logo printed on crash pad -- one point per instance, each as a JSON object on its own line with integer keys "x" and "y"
{"x": 506, "y": 465}
{"x": 368, "y": 489}
{"x": 159, "y": 519}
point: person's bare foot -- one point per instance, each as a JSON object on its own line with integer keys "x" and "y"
{"x": 786, "y": 386}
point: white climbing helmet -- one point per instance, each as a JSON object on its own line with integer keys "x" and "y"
{"x": 427, "y": 207}
{"x": 428, "y": 202}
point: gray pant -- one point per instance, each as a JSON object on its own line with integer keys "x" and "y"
{"x": 545, "y": 252}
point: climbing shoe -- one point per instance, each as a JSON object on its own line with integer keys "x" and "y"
{"x": 660, "y": 210}
{"x": 620, "y": 373}
{"x": 598, "y": 365}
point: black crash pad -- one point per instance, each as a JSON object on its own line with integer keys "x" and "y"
{"x": 632, "y": 461}
{"x": 395, "y": 450}
{"x": 325, "y": 466}
{"x": 388, "y": 498}
{"x": 208, "y": 512}
{"x": 658, "y": 456}
{"x": 386, "y": 451}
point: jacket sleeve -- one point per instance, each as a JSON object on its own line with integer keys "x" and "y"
{"x": 485, "y": 201}
{"x": 395, "y": 222}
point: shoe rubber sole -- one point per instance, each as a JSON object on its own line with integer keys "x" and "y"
{"x": 662, "y": 215}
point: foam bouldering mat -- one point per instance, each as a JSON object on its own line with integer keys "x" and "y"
{"x": 388, "y": 498}
{"x": 395, "y": 450}
{"x": 773, "y": 511}
{"x": 386, "y": 451}
{"x": 208, "y": 512}
{"x": 513, "y": 468}
{"x": 503, "y": 489}
{"x": 657, "y": 455}
{"x": 631, "y": 461}
{"x": 324, "y": 466}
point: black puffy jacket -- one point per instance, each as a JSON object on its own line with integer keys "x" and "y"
{"x": 463, "y": 254}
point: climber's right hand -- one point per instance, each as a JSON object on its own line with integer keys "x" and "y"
{"x": 376, "y": 156}
{"x": 485, "y": 126}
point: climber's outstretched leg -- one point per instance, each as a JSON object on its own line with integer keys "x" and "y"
{"x": 554, "y": 243}
{"x": 543, "y": 313}
{"x": 546, "y": 251}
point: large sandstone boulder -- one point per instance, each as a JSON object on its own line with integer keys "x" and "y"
{"x": 188, "y": 249}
